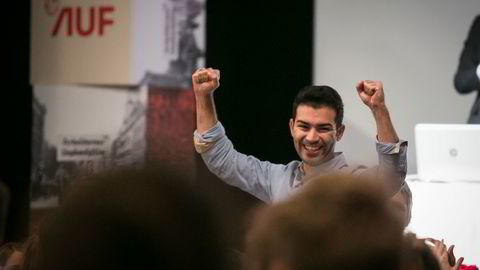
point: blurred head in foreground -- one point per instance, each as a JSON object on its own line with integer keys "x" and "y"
{"x": 131, "y": 219}
{"x": 335, "y": 222}
{"x": 417, "y": 255}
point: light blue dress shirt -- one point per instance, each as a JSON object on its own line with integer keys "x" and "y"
{"x": 275, "y": 182}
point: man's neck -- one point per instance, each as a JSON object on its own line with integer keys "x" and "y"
{"x": 308, "y": 170}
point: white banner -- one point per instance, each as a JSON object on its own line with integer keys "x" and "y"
{"x": 114, "y": 42}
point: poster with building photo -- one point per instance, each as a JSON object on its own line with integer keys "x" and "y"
{"x": 97, "y": 106}
{"x": 80, "y": 130}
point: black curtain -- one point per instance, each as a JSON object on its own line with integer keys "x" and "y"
{"x": 264, "y": 50}
{"x": 16, "y": 96}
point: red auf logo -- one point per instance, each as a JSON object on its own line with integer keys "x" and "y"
{"x": 83, "y": 21}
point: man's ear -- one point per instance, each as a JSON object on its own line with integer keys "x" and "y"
{"x": 339, "y": 132}
{"x": 290, "y": 123}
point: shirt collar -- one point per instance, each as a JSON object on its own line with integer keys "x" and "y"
{"x": 337, "y": 162}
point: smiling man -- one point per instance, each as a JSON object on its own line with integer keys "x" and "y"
{"x": 316, "y": 125}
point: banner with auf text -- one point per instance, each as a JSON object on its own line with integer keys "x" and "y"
{"x": 113, "y": 42}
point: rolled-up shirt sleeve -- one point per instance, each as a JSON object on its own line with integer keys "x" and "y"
{"x": 392, "y": 165}
{"x": 204, "y": 141}
{"x": 392, "y": 158}
{"x": 236, "y": 169}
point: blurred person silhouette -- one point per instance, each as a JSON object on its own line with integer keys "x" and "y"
{"x": 62, "y": 179}
{"x": 333, "y": 223}
{"x": 467, "y": 76}
{"x": 130, "y": 219}
{"x": 11, "y": 255}
{"x": 417, "y": 255}
{"x": 89, "y": 168}
{"x": 31, "y": 253}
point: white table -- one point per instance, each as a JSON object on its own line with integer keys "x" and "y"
{"x": 450, "y": 211}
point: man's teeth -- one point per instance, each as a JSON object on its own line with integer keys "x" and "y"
{"x": 312, "y": 148}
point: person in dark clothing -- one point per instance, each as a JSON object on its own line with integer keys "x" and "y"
{"x": 467, "y": 77}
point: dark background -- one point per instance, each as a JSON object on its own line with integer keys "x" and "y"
{"x": 15, "y": 115}
{"x": 264, "y": 50}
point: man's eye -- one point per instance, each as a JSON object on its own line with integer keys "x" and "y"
{"x": 325, "y": 129}
{"x": 303, "y": 127}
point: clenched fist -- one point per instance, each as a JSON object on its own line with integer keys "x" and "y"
{"x": 371, "y": 93}
{"x": 205, "y": 81}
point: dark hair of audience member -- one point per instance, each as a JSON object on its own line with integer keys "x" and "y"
{"x": 7, "y": 250}
{"x": 132, "y": 219}
{"x": 417, "y": 255}
{"x": 31, "y": 253}
{"x": 334, "y": 222}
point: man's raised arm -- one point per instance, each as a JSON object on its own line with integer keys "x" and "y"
{"x": 205, "y": 81}
{"x": 392, "y": 152}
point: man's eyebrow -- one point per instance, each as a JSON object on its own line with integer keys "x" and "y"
{"x": 303, "y": 122}
{"x": 319, "y": 125}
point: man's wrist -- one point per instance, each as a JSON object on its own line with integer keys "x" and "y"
{"x": 199, "y": 95}
{"x": 379, "y": 109}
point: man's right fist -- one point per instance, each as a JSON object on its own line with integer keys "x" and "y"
{"x": 205, "y": 80}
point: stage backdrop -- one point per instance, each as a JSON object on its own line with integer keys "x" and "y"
{"x": 114, "y": 42}
{"x": 112, "y": 87}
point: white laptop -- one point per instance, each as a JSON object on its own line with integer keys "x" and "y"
{"x": 448, "y": 152}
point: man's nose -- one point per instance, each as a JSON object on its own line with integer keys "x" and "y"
{"x": 312, "y": 135}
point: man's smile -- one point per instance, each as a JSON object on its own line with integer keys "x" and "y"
{"x": 312, "y": 150}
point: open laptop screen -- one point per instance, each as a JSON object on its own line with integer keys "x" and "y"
{"x": 448, "y": 152}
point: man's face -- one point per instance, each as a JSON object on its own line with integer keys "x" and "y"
{"x": 315, "y": 133}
